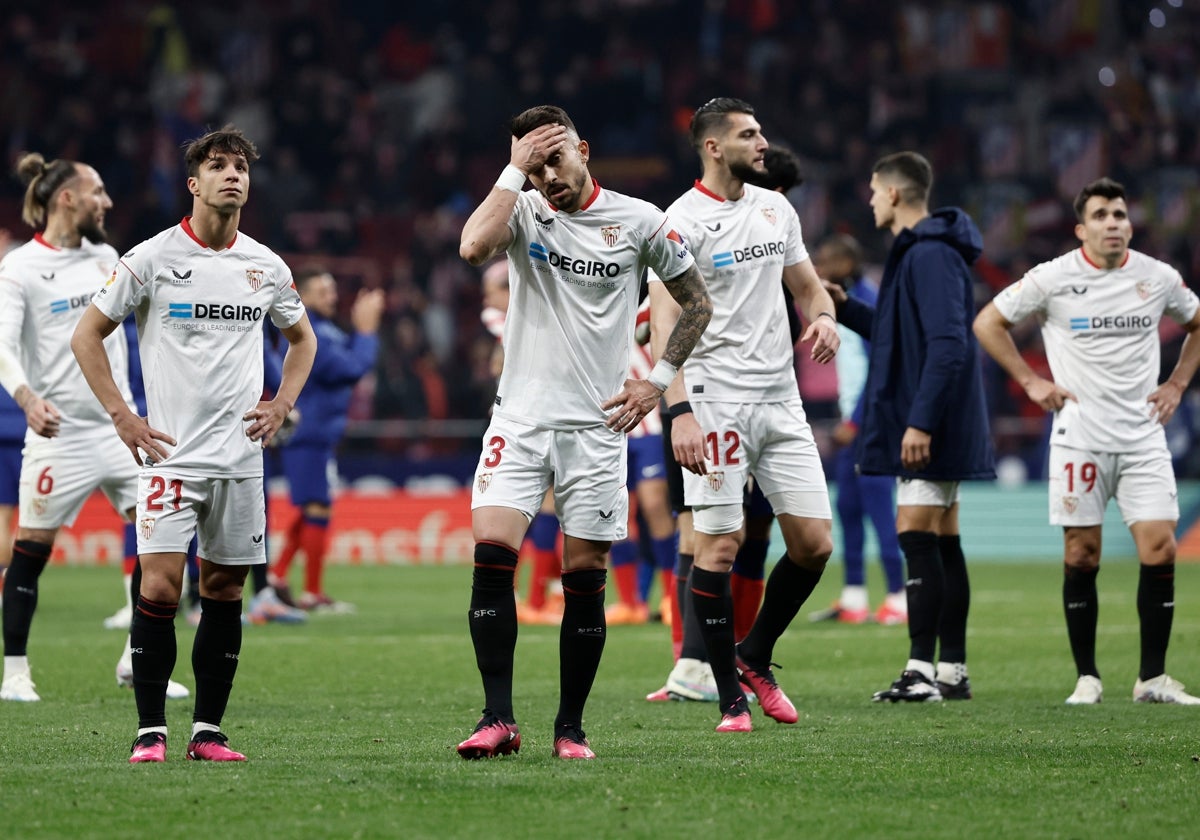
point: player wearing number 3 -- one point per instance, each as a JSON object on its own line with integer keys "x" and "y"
{"x": 576, "y": 256}
{"x": 1099, "y": 309}
{"x": 200, "y": 291}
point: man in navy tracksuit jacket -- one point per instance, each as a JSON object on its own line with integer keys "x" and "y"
{"x": 308, "y": 456}
{"x": 924, "y": 415}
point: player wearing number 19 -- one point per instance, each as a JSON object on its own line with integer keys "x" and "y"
{"x": 1099, "y": 308}
{"x": 199, "y": 291}
{"x": 576, "y": 254}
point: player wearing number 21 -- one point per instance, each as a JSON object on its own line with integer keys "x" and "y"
{"x": 199, "y": 291}
{"x": 1099, "y": 308}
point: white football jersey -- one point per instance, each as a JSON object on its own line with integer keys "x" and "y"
{"x": 1100, "y": 329}
{"x": 44, "y": 291}
{"x": 573, "y": 294}
{"x": 741, "y": 248}
{"x": 199, "y": 316}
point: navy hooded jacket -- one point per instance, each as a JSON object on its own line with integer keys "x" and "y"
{"x": 924, "y": 360}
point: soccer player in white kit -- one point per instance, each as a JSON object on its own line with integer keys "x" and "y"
{"x": 71, "y": 448}
{"x": 576, "y": 254}
{"x": 736, "y": 408}
{"x": 1099, "y": 308}
{"x": 200, "y": 291}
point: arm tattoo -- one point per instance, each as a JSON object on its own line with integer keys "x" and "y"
{"x": 691, "y": 294}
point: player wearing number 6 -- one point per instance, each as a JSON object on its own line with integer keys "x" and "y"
{"x": 1099, "y": 308}
{"x": 199, "y": 291}
{"x": 71, "y": 449}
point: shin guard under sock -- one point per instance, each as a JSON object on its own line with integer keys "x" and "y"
{"x": 29, "y": 560}
{"x": 215, "y": 653}
{"x": 580, "y": 642}
{"x": 713, "y": 606}
{"x": 493, "y": 622}
{"x": 956, "y": 600}
{"x": 1156, "y": 611}
{"x": 1081, "y": 607}
{"x": 925, "y": 588}
{"x": 152, "y": 640}
{"x": 787, "y": 589}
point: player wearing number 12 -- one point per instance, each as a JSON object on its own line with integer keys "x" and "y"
{"x": 576, "y": 256}
{"x": 1099, "y": 308}
{"x": 199, "y": 291}
{"x": 748, "y": 418}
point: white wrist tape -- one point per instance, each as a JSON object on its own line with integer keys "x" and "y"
{"x": 662, "y": 375}
{"x": 511, "y": 179}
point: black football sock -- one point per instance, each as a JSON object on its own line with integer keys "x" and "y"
{"x": 152, "y": 639}
{"x": 1081, "y": 607}
{"x": 580, "y": 643}
{"x": 787, "y": 589}
{"x": 21, "y": 593}
{"x": 713, "y": 603}
{"x": 493, "y": 621}
{"x": 956, "y": 600}
{"x": 925, "y": 587}
{"x": 215, "y": 653}
{"x": 1156, "y": 610}
{"x": 692, "y": 644}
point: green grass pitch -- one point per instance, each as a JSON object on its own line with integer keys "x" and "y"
{"x": 350, "y": 724}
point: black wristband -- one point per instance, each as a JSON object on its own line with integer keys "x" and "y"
{"x": 828, "y": 315}
{"x": 678, "y": 409}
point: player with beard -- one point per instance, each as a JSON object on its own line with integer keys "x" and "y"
{"x": 70, "y": 446}
{"x": 576, "y": 256}
{"x": 736, "y": 407}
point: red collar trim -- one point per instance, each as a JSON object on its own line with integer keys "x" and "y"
{"x": 186, "y": 224}
{"x": 1088, "y": 260}
{"x": 595, "y": 194}
{"x": 41, "y": 240}
{"x": 706, "y": 191}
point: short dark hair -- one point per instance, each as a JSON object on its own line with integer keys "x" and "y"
{"x": 713, "y": 114}
{"x": 302, "y": 277}
{"x": 228, "y": 139}
{"x": 538, "y": 116}
{"x": 844, "y": 245}
{"x": 42, "y": 182}
{"x": 783, "y": 170}
{"x": 1104, "y": 187}
{"x": 913, "y": 170}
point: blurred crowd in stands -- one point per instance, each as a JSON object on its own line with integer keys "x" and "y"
{"x": 381, "y": 125}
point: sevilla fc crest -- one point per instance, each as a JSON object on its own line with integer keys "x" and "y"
{"x": 769, "y": 214}
{"x": 483, "y": 481}
{"x": 1070, "y": 503}
{"x": 1143, "y": 289}
{"x": 146, "y": 527}
{"x": 610, "y": 234}
{"x": 716, "y": 480}
{"x": 254, "y": 276}
{"x": 39, "y": 506}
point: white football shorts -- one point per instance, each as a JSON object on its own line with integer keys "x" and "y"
{"x": 58, "y": 475}
{"x": 586, "y": 468}
{"x": 921, "y": 492}
{"x": 228, "y": 515}
{"x": 772, "y": 441}
{"x": 1081, "y": 483}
